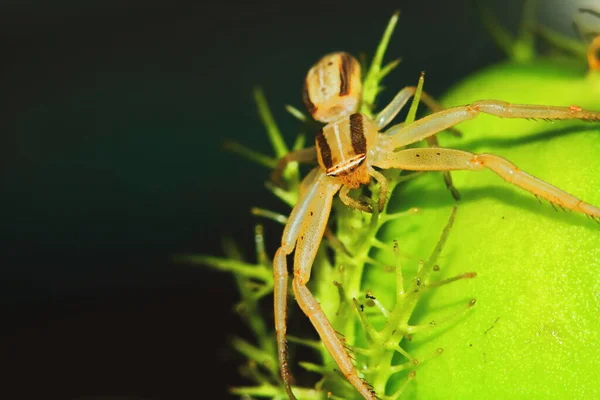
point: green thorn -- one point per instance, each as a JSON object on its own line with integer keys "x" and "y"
{"x": 373, "y": 77}
{"x": 412, "y": 112}
{"x": 250, "y": 154}
{"x": 519, "y": 47}
{"x": 224, "y": 264}
{"x": 269, "y": 122}
{"x": 299, "y": 115}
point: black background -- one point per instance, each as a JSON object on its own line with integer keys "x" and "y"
{"x": 112, "y": 119}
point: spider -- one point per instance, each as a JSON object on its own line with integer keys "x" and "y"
{"x": 348, "y": 149}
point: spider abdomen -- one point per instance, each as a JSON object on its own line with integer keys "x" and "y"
{"x": 332, "y": 88}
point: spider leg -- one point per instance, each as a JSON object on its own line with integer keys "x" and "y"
{"x": 433, "y": 142}
{"x": 365, "y": 205}
{"x": 400, "y": 136}
{"x": 386, "y": 115}
{"x": 280, "y": 288}
{"x": 331, "y": 340}
{"x": 316, "y": 212}
{"x": 360, "y": 205}
{"x": 390, "y": 111}
{"x": 440, "y": 159}
{"x": 307, "y": 155}
{"x": 304, "y": 231}
{"x": 383, "y": 186}
{"x": 280, "y": 272}
{"x": 334, "y": 241}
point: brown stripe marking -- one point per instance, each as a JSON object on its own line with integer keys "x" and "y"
{"x": 357, "y": 134}
{"x": 346, "y": 70}
{"x": 306, "y": 99}
{"x": 324, "y": 149}
{"x": 347, "y": 167}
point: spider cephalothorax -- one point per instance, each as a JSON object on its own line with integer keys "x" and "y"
{"x": 342, "y": 149}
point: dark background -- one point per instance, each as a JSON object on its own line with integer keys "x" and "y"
{"x": 112, "y": 119}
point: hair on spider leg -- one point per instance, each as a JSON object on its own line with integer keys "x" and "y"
{"x": 340, "y": 335}
{"x": 348, "y": 384}
{"x": 595, "y": 219}
{"x": 368, "y": 385}
{"x": 557, "y": 207}
{"x": 594, "y": 119}
{"x": 344, "y": 341}
{"x": 350, "y": 352}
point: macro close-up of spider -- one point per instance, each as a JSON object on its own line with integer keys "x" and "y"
{"x": 273, "y": 200}
{"x": 351, "y": 149}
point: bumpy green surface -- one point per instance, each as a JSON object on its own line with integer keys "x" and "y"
{"x": 535, "y": 331}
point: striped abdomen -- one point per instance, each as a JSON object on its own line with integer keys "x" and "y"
{"x": 332, "y": 88}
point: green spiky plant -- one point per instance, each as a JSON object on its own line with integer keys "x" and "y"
{"x": 536, "y": 331}
{"x": 537, "y": 288}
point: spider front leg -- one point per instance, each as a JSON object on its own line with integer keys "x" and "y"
{"x": 304, "y": 231}
{"x": 365, "y": 204}
{"x": 361, "y": 205}
{"x": 431, "y": 159}
{"x": 401, "y": 136}
{"x": 280, "y": 272}
{"x": 386, "y": 115}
